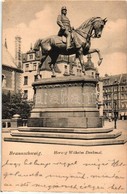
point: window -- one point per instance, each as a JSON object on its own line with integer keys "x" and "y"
{"x": 35, "y": 77}
{"x": 115, "y": 88}
{"x": 2, "y": 78}
{"x": 110, "y": 104}
{"x": 122, "y": 104}
{"x": 25, "y": 80}
{"x": 25, "y": 96}
{"x": 124, "y": 80}
{"x": 3, "y": 81}
{"x": 122, "y": 88}
{"x": 65, "y": 70}
{"x": 34, "y": 66}
{"x": 9, "y": 124}
{"x": 109, "y": 96}
{"x": 98, "y": 88}
{"x": 3, "y": 124}
{"x": 122, "y": 96}
{"x": 106, "y": 96}
{"x": 27, "y": 67}
{"x": 115, "y": 96}
{"x": 31, "y": 56}
{"x": 106, "y": 104}
{"x": 109, "y": 89}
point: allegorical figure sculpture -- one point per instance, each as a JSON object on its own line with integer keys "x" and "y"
{"x": 79, "y": 44}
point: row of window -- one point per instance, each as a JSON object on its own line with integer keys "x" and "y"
{"x": 109, "y": 105}
{"x": 115, "y": 96}
{"x": 26, "y": 79}
{"x": 29, "y": 67}
{"x": 123, "y": 96}
{"x": 115, "y": 88}
{"x": 108, "y": 82}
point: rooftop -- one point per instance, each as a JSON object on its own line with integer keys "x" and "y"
{"x": 115, "y": 79}
{"x": 7, "y": 59}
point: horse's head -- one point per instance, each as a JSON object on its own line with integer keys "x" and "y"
{"x": 98, "y": 26}
{"x": 92, "y": 27}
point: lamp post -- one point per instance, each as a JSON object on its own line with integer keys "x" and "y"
{"x": 116, "y": 106}
{"x": 115, "y": 114}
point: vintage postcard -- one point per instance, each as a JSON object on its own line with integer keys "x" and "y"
{"x": 64, "y": 96}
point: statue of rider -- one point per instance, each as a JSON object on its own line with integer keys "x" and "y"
{"x": 65, "y": 27}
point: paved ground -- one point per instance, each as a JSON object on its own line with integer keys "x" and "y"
{"x": 120, "y": 125}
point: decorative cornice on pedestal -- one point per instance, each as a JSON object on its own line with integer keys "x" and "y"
{"x": 69, "y": 109}
{"x": 64, "y": 85}
{"x": 65, "y": 82}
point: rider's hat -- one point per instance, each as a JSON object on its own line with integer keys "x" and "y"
{"x": 63, "y": 8}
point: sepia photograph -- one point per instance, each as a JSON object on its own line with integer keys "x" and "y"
{"x": 64, "y": 96}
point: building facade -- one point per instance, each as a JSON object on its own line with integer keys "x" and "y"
{"x": 30, "y": 62}
{"x": 11, "y": 74}
{"x": 115, "y": 95}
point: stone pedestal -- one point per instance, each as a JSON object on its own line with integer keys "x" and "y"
{"x": 65, "y": 102}
{"x": 16, "y": 121}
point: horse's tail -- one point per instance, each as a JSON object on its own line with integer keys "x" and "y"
{"x": 37, "y": 45}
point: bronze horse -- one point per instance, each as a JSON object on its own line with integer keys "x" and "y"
{"x": 54, "y": 45}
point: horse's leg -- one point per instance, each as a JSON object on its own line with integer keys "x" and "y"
{"x": 40, "y": 65}
{"x": 79, "y": 54}
{"x": 53, "y": 57}
{"x": 99, "y": 54}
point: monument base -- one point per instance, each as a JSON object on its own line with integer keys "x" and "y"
{"x": 67, "y": 136}
{"x": 81, "y": 118}
{"x": 65, "y": 102}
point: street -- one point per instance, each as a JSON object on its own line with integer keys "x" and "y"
{"x": 121, "y": 124}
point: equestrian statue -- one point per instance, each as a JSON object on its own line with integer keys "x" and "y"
{"x": 78, "y": 41}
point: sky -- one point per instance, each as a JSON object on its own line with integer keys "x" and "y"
{"x": 34, "y": 19}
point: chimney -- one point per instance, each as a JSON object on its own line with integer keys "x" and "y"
{"x": 18, "y": 56}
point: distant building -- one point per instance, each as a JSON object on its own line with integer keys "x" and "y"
{"x": 30, "y": 62}
{"x": 115, "y": 92}
{"x": 99, "y": 95}
{"x": 92, "y": 71}
{"x": 89, "y": 67}
{"x": 66, "y": 65}
{"x": 11, "y": 74}
{"x": 70, "y": 65}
